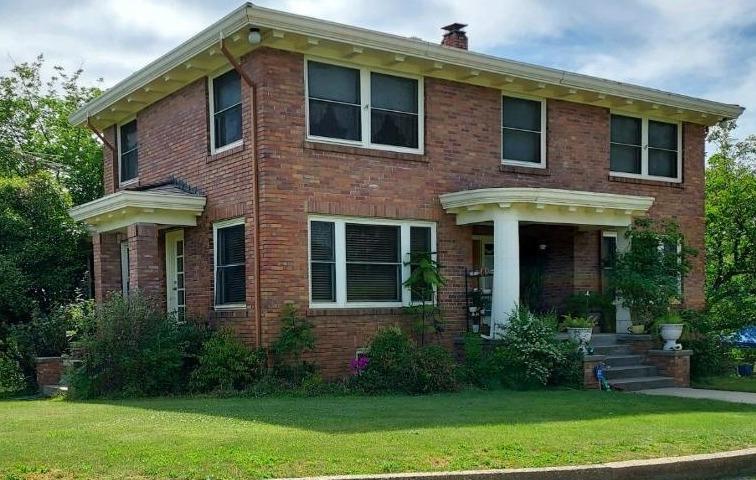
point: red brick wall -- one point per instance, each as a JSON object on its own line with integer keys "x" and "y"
{"x": 462, "y": 148}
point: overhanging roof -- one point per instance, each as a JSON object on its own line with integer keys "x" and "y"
{"x": 120, "y": 209}
{"x": 196, "y": 57}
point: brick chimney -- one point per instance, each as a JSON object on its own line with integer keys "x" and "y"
{"x": 455, "y": 36}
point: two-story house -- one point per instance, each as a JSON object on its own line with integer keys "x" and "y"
{"x": 277, "y": 158}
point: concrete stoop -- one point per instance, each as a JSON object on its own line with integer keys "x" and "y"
{"x": 627, "y": 370}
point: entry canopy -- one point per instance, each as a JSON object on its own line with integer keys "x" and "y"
{"x": 167, "y": 205}
{"x": 545, "y": 205}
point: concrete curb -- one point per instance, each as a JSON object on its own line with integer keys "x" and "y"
{"x": 705, "y": 466}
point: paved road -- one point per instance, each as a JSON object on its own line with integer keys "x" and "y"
{"x": 725, "y": 396}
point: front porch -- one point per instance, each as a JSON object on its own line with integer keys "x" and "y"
{"x": 548, "y": 243}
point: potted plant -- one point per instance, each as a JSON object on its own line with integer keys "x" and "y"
{"x": 579, "y": 330}
{"x": 670, "y": 328}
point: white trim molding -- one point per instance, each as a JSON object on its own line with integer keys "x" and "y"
{"x": 542, "y": 133}
{"x": 120, "y": 209}
{"x": 546, "y": 205}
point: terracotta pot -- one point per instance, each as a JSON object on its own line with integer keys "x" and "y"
{"x": 637, "y": 329}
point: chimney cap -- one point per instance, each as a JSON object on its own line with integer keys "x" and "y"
{"x": 454, "y": 27}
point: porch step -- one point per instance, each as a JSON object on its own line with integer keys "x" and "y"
{"x": 614, "y": 350}
{"x": 632, "y": 371}
{"x": 641, "y": 383}
{"x": 624, "y": 360}
{"x": 603, "y": 339}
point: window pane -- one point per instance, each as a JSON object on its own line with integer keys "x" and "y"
{"x": 335, "y": 120}
{"x": 388, "y": 92}
{"x": 129, "y": 150}
{"x": 521, "y": 113}
{"x": 230, "y": 286}
{"x": 373, "y": 283}
{"x": 231, "y": 245}
{"x": 129, "y": 165}
{"x": 521, "y": 146}
{"x": 330, "y": 82}
{"x": 226, "y": 90}
{"x": 129, "y": 136}
{"x": 420, "y": 242}
{"x": 626, "y": 130}
{"x": 662, "y": 135}
{"x": 391, "y": 128}
{"x": 228, "y": 126}
{"x": 372, "y": 243}
{"x": 322, "y": 241}
{"x": 608, "y": 251}
{"x": 323, "y": 281}
{"x": 626, "y": 159}
{"x": 662, "y": 163}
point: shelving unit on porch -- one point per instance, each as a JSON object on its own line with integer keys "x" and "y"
{"x": 478, "y": 302}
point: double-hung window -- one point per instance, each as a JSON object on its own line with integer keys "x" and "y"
{"x": 128, "y": 151}
{"x": 364, "y": 262}
{"x": 357, "y": 106}
{"x": 230, "y": 281}
{"x": 645, "y": 148}
{"x": 523, "y": 127}
{"x": 225, "y": 111}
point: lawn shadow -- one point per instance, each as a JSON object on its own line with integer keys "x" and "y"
{"x": 359, "y": 414}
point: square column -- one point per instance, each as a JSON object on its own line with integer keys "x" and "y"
{"x": 107, "y": 265}
{"x": 506, "y": 279}
{"x": 144, "y": 262}
{"x": 623, "y": 313}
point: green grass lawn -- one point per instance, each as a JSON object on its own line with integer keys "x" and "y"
{"x": 268, "y": 437}
{"x": 732, "y": 382}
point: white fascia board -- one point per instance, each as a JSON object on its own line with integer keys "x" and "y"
{"x": 137, "y": 200}
{"x": 251, "y": 15}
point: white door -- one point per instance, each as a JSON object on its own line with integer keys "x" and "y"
{"x": 174, "y": 272}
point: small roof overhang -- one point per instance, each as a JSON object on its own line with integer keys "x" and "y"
{"x": 118, "y": 210}
{"x": 546, "y": 205}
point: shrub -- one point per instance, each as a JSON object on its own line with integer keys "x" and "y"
{"x": 710, "y": 351}
{"x": 12, "y": 379}
{"x": 569, "y": 372}
{"x": 530, "y": 351}
{"x": 133, "y": 350}
{"x": 227, "y": 364}
{"x": 435, "y": 370}
{"x": 477, "y": 367}
{"x": 295, "y": 339}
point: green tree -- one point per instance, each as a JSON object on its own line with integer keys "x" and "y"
{"x": 731, "y": 228}
{"x": 35, "y": 133}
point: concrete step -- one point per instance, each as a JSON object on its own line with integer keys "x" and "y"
{"x": 611, "y": 350}
{"x": 53, "y": 390}
{"x": 633, "y": 371}
{"x": 603, "y": 339}
{"x": 624, "y": 360}
{"x": 641, "y": 383}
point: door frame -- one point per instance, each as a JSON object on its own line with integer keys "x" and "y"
{"x": 171, "y": 301}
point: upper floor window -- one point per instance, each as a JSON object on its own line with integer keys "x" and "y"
{"x": 362, "y": 107}
{"x": 645, "y": 148}
{"x": 230, "y": 279}
{"x": 128, "y": 151}
{"x": 523, "y": 127}
{"x": 225, "y": 111}
{"x": 357, "y": 262}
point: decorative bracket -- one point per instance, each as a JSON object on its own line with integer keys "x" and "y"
{"x": 99, "y": 134}
{"x": 234, "y": 63}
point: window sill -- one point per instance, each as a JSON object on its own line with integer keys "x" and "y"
{"x": 229, "y": 313}
{"x": 535, "y": 170}
{"x": 646, "y": 181}
{"x": 128, "y": 184}
{"x": 225, "y": 152}
{"x": 226, "y": 308}
{"x": 351, "y": 311}
{"x": 363, "y": 151}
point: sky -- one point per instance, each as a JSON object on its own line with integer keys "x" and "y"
{"x": 703, "y": 48}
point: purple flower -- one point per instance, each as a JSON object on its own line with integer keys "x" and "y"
{"x": 359, "y": 364}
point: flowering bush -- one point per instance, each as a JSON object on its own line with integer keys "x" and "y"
{"x": 359, "y": 364}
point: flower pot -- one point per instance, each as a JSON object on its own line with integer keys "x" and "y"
{"x": 581, "y": 336}
{"x": 476, "y": 328}
{"x": 745, "y": 369}
{"x": 670, "y": 333}
{"x": 637, "y": 329}
{"x": 473, "y": 309}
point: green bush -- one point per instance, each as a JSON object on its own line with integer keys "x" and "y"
{"x": 569, "y": 372}
{"x": 133, "y": 350}
{"x": 296, "y": 338}
{"x": 477, "y": 367}
{"x": 530, "y": 352}
{"x": 435, "y": 370}
{"x": 711, "y": 354}
{"x": 227, "y": 364}
{"x": 12, "y": 378}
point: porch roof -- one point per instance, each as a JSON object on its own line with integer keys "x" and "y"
{"x": 546, "y": 205}
{"x": 163, "y": 205}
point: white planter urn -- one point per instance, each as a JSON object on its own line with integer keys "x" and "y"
{"x": 670, "y": 333}
{"x": 581, "y": 336}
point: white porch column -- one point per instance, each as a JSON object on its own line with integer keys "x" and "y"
{"x": 623, "y": 314}
{"x": 506, "y": 279}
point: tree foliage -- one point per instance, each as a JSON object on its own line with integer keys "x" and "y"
{"x": 731, "y": 228}
{"x": 35, "y": 133}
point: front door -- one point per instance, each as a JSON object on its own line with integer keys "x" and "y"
{"x": 174, "y": 272}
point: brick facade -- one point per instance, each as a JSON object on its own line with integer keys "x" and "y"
{"x": 298, "y": 178}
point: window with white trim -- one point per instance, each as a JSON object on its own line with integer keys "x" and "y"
{"x": 230, "y": 279}
{"x": 523, "y": 127}
{"x": 128, "y": 151}
{"x": 361, "y": 107}
{"x": 364, "y": 262}
{"x": 645, "y": 148}
{"x": 225, "y": 111}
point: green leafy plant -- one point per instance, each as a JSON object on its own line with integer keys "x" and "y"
{"x": 435, "y": 370}
{"x": 592, "y": 303}
{"x": 423, "y": 283}
{"x": 225, "y": 364}
{"x": 575, "y": 321}
{"x": 296, "y": 338}
{"x": 477, "y": 367}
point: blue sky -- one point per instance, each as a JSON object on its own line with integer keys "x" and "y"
{"x": 704, "y": 48}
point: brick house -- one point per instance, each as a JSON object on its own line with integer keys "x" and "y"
{"x": 276, "y": 158}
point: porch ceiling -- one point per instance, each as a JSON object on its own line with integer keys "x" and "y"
{"x": 120, "y": 209}
{"x": 545, "y": 205}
